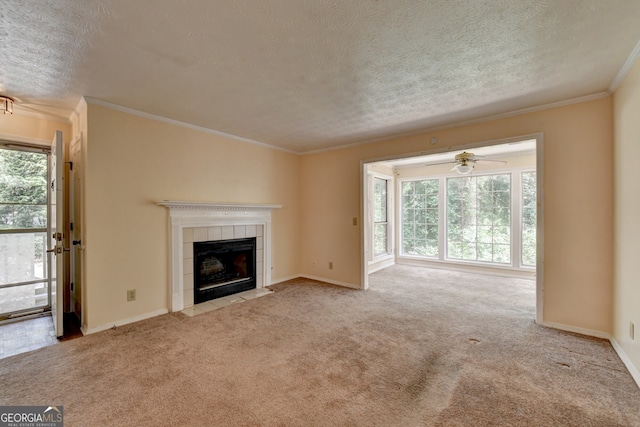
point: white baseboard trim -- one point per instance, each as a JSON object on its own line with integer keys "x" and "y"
{"x": 604, "y": 335}
{"x": 625, "y": 359}
{"x": 333, "y": 282}
{"x": 576, "y": 330}
{"x": 468, "y": 268}
{"x": 319, "y": 279}
{"x": 87, "y": 331}
{"x": 284, "y": 279}
{"x": 381, "y": 265}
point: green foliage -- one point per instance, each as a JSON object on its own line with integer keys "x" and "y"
{"x": 23, "y": 190}
{"x": 479, "y": 218}
{"x": 529, "y": 219}
{"x": 380, "y": 217}
{"x": 420, "y": 217}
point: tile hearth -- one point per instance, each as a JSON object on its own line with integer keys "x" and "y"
{"x": 217, "y": 303}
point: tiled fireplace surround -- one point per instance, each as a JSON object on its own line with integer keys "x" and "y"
{"x": 210, "y": 234}
{"x": 191, "y": 222}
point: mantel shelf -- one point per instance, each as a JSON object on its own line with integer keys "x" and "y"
{"x": 216, "y": 206}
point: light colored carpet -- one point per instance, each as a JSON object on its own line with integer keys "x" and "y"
{"x": 422, "y": 347}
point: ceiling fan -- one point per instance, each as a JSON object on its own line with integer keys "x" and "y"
{"x": 465, "y": 162}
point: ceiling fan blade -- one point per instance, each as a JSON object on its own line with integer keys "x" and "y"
{"x": 454, "y": 168}
{"x": 492, "y": 160}
{"x": 439, "y": 163}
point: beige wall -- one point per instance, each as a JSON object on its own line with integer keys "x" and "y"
{"x": 577, "y": 195}
{"x": 23, "y": 128}
{"x": 627, "y": 215}
{"x": 132, "y": 162}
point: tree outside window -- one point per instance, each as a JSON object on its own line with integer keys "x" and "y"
{"x": 23, "y": 221}
{"x": 529, "y": 219}
{"x": 381, "y": 224}
{"x": 420, "y": 217}
{"x": 479, "y": 218}
{"x": 23, "y": 190}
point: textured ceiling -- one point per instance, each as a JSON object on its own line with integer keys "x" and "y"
{"x": 307, "y": 75}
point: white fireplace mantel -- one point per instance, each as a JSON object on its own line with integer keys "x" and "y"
{"x": 208, "y": 215}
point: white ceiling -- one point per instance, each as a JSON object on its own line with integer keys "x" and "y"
{"x": 307, "y": 75}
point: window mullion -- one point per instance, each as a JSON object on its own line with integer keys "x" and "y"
{"x": 442, "y": 218}
{"x": 516, "y": 220}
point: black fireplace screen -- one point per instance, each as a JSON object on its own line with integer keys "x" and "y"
{"x": 223, "y": 268}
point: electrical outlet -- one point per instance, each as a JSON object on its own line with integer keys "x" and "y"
{"x": 632, "y": 331}
{"x": 355, "y": 221}
{"x": 330, "y": 265}
{"x": 131, "y": 295}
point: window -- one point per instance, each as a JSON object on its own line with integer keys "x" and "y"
{"x": 380, "y": 220}
{"x": 23, "y": 190}
{"x": 470, "y": 218}
{"x": 529, "y": 219}
{"x": 420, "y": 217}
{"x": 479, "y": 218}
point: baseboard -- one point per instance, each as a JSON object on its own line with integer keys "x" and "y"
{"x": 333, "y": 282}
{"x": 625, "y": 359}
{"x": 380, "y": 265}
{"x": 284, "y": 279}
{"x": 604, "y": 335}
{"x": 576, "y": 330}
{"x": 319, "y": 279}
{"x": 87, "y": 331}
{"x": 468, "y": 268}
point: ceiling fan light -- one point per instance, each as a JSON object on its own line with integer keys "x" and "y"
{"x": 6, "y": 104}
{"x": 464, "y": 169}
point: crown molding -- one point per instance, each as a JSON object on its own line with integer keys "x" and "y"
{"x": 94, "y": 101}
{"x": 625, "y": 68}
{"x": 485, "y": 119}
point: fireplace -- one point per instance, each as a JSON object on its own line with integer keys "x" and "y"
{"x": 194, "y": 222}
{"x": 223, "y": 267}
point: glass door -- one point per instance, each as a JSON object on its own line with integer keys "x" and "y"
{"x": 24, "y": 270}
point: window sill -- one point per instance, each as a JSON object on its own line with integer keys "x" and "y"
{"x": 501, "y": 270}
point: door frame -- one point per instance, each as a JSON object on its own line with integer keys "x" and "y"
{"x": 44, "y": 147}
{"x": 365, "y": 238}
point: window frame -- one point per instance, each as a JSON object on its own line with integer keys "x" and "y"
{"x": 390, "y": 223}
{"x": 515, "y": 226}
{"x": 521, "y": 213}
{"x": 401, "y": 218}
{"x": 44, "y": 231}
{"x": 511, "y": 218}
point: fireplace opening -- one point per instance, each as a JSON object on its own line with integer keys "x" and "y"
{"x": 223, "y": 267}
